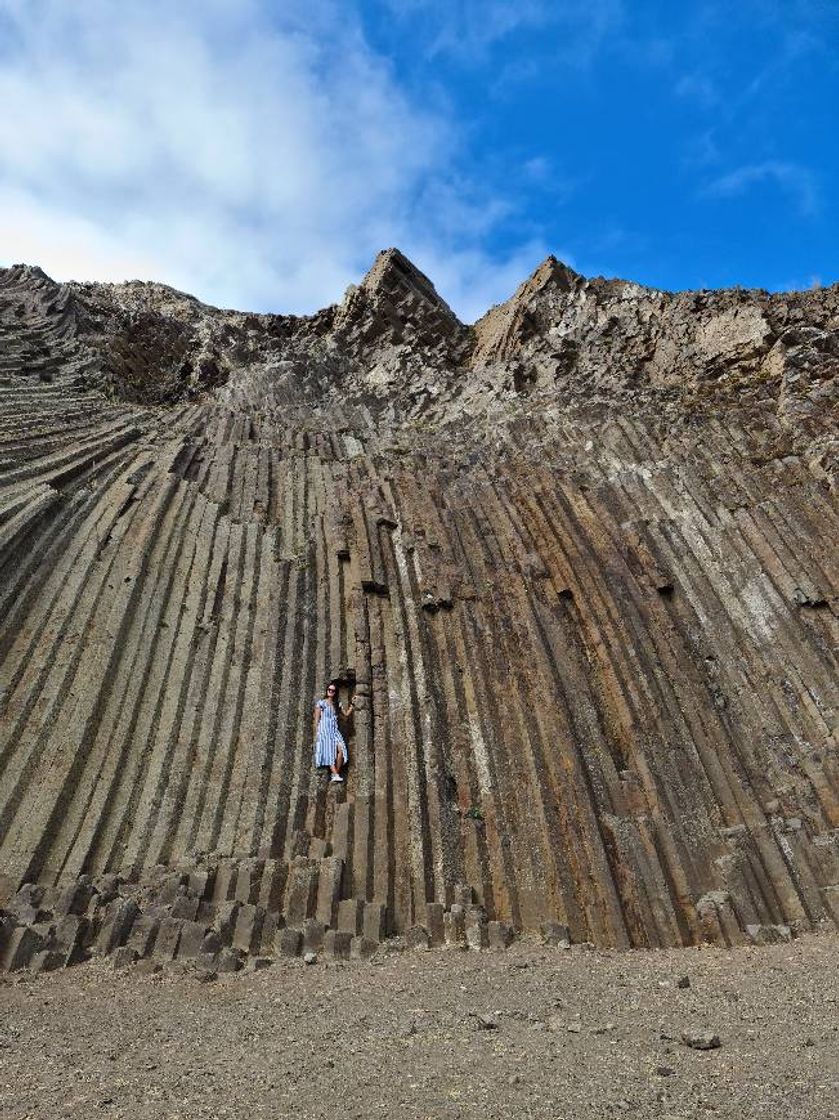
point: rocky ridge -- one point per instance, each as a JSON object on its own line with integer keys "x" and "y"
{"x": 577, "y": 561}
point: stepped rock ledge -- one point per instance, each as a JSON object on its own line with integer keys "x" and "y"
{"x": 578, "y": 562}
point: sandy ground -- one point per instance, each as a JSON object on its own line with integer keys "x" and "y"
{"x": 532, "y": 1032}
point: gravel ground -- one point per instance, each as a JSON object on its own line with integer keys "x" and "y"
{"x": 532, "y": 1032}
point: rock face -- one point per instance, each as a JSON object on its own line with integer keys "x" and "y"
{"x": 578, "y": 562}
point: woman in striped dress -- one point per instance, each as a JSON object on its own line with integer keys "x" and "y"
{"x": 330, "y": 747}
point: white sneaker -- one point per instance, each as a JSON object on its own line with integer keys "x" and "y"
{"x": 336, "y": 778}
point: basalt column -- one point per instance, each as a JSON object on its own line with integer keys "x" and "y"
{"x": 587, "y": 601}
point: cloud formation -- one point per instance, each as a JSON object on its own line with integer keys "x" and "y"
{"x": 796, "y": 181}
{"x": 260, "y": 152}
{"x": 471, "y": 29}
{"x": 254, "y": 156}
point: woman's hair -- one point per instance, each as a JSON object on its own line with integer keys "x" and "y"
{"x": 336, "y": 686}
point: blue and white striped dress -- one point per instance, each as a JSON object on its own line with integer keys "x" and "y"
{"x": 329, "y": 738}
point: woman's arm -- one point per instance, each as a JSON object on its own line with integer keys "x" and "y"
{"x": 349, "y": 711}
{"x": 317, "y": 718}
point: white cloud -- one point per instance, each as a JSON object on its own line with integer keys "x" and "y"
{"x": 469, "y": 29}
{"x": 255, "y": 157}
{"x": 797, "y": 181}
{"x": 58, "y": 240}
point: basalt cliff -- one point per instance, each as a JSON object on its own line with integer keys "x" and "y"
{"x": 578, "y": 562}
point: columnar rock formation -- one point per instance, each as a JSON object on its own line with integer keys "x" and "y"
{"x": 577, "y": 561}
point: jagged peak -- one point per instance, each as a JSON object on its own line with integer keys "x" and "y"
{"x": 497, "y": 330}
{"x": 392, "y": 274}
{"x": 553, "y": 270}
{"x": 22, "y": 273}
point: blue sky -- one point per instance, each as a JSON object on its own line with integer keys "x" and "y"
{"x": 259, "y": 153}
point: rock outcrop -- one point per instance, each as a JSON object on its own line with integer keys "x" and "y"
{"x": 578, "y": 562}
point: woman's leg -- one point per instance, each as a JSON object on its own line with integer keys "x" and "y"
{"x": 338, "y": 763}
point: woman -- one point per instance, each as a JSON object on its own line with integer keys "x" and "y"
{"x": 330, "y": 748}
